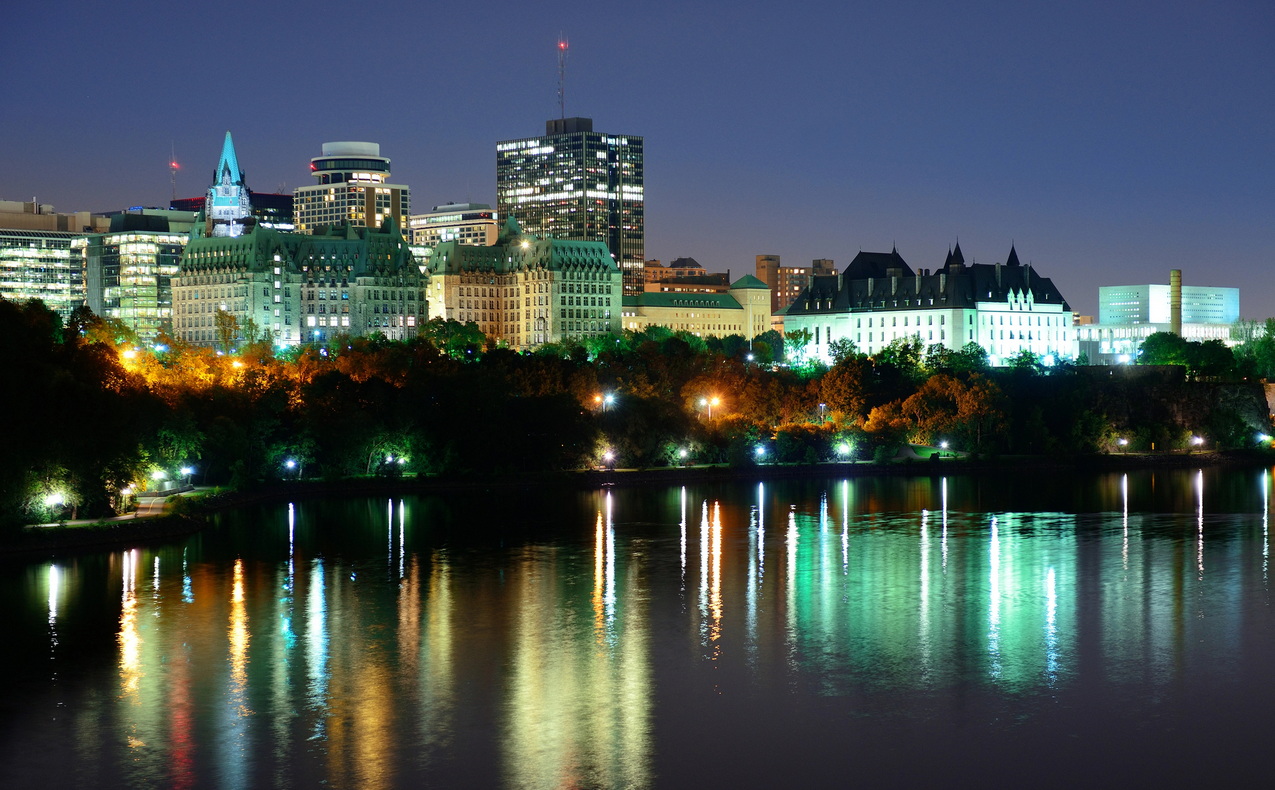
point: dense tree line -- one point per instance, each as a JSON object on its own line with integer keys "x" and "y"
{"x": 91, "y": 412}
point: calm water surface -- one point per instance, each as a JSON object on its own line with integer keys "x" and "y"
{"x": 992, "y": 632}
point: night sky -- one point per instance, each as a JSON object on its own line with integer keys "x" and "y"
{"x": 1110, "y": 141}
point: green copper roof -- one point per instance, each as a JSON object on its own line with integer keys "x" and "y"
{"x": 685, "y": 301}
{"x": 749, "y": 281}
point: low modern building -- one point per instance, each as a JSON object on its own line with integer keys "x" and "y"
{"x": 744, "y": 309}
{"x": 37, "y": 259}
{"x": 1005, "y": 308}
{"x": 474, "y": 224}
{"x": 525, "y": 290}
{"x": 352, "y": 189}
{"x": 1128, "y": 314}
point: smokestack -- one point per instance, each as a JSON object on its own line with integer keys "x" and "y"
{"x": 1175, "y": 301}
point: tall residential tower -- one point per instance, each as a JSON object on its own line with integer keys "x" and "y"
{"x": 579, "y": 185}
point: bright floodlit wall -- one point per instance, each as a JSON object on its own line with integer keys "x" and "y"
{"x": 1127, "y": 305}
{"x": 743, "y": 311}
{"x": 577, "y": 184}
{"x": 129, "y": 277}
{"x": 41, "y": 264}
{"x": 1005, "y": 308}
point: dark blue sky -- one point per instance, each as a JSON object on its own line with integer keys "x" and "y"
{"x": 1110, "y": 141}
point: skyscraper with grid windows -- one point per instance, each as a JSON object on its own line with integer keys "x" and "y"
{"x": 580, "y": 185}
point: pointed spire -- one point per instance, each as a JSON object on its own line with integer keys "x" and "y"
{"x": 1012, "y": 260}
{"x": 228, "y": 166}
{"x": 957, "y": 257}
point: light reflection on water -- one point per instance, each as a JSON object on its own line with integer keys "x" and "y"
{"x": 595, "y": 650}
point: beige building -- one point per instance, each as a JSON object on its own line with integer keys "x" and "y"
{"x": 352, "y": 189}
{"x": 525, "y": 290}
{"x": 787, "y": 282}
{"x": 474, "y": 224}
{"x": 743, "y": 310}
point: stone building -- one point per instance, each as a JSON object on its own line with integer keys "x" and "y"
{"x": 525, "y": 290}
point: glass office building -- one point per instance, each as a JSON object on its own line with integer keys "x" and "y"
{"x": 580, "y": 185}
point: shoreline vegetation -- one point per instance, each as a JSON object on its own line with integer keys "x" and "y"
{"x": 187, "y": 515}
{"x": 101, "y": 421}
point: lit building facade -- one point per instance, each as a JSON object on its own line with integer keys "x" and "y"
{"x": 580, "y": 185}
{"x": 352, "y": 188}
{"x": 41, "y": 264}
{"x": 129, "y": 270}
{"x": 1128, "y": 314}
{"x": 474, "y": 224}
{"x": 744, "y": 309}
{"x": 299, "y": 288}
{"x": 38, "y": 259}
{"x": 1005, "y": 308}
{"x": 524, "y": 290}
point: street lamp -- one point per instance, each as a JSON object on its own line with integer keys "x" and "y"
{"x": 843, "y": 449}
{"x": 761, "y": 452}
{"x": 681, "y": 454}
{"x": 608, "y": 457}
{"x": 186, "y": 472}
{"x": 709, "y": 403}
{"x": 822, "y": 406}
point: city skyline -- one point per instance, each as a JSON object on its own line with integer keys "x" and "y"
{"x": 1110, "y": 144}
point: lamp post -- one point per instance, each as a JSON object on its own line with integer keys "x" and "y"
{"x": 709, "y": 403}
{"x": 822, "y": 406}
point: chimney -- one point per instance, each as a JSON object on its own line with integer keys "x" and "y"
{"x": 1175, "y": 301}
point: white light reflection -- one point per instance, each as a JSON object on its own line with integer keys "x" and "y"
{"x": 155, "y": 583}
{"x": 845, "y": 527}
{"x": 1124, "y": 488}
{"x": 703, "y": 573}
{"x": 682, "y": 524}
{"x": 389, "y": 538}
{"x": 54, "y": 582}
{"x": 1266, "y": 532}
{"x": 402, "y": 541}
{"x": 1051, "y": 627}
{"x": 761, "y": 532}
{"x": 1199, "y": 521}
{"x": 791, "y": 607}
{"x": 317, "y": 649}
{"x": 994, "y": 608}
{"x": 925, "y": 593}
{"x": 188, "y": 586}
{"x": 943, "y": 485}
{"x": 610, "y": 587}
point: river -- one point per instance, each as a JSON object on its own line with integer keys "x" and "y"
{"x": 994, "y": 630}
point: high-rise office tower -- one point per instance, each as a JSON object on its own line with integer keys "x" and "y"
{"x": 577, "y": 184}
{"x": 352, "y": 188}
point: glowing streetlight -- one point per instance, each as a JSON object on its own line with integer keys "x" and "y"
{"x": 54, "y": 499}
{"x": 1197, "y": 440}
{"x": 709, "y": 403}
{"x": 1263, "y": 437}
{"x": 761, "y": 452}
{"x": 843, "y": 449}
{"x": 822, "y": 407}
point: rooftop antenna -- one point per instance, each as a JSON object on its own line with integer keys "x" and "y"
{"x": 563, "y": 46}
{"x": 173, "y": 167}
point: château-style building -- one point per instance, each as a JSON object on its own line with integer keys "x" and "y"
{"x": 340, "y": 279}
{"x": 1006, "y": 307}
{"x": 525, "y": 290}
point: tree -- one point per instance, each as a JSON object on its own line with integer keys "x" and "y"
{"x": 1163, "y": 348}
{"x": 225, "y": 330}
{"x": 795, "y": 343}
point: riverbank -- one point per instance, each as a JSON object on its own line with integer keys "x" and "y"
{"x": 162, "y": 523}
